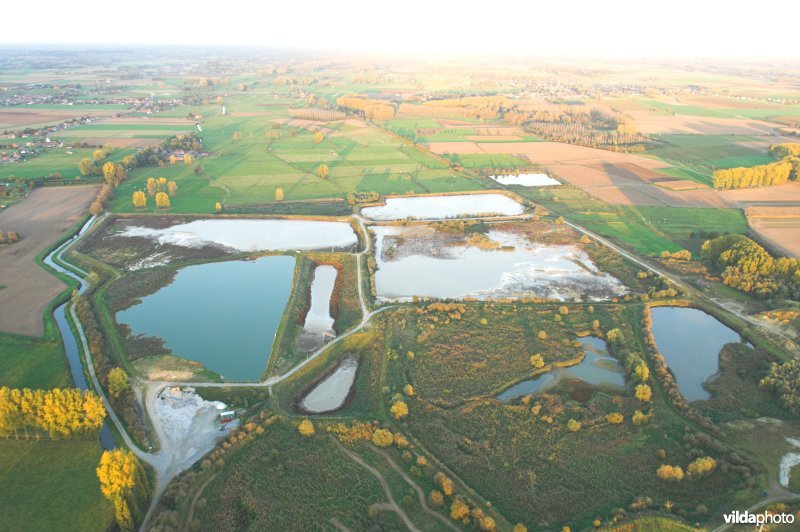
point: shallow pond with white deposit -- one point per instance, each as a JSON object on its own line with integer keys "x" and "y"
{"x": 318, "y": 320}
{"x": 252, "y": 235}
{"x": 414, "y": 261}
{"x": 526, "y": 180}
{"x": 331, "y": 393}
{"x": 440, "y": 207}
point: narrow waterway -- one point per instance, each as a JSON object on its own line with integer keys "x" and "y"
{"x": 67, "y": 336}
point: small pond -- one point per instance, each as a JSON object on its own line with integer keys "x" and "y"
{"x": 439, "y": 207}
{"x": 415, "y": 261}
{"x": 252, "y": 234}
{"x": 318, "y": 319}
{"x": 596, "y": 368}
{"x": 690, "y": 341}
{"x": 223, "y": 314}
{"x": 331, "y": 393}
{"x": 526, "y": 180}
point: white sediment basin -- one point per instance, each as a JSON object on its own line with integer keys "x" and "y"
{"x": 252, "y": 235}
{"x": 440, "y": 207}
{"x": 526, "y": 180}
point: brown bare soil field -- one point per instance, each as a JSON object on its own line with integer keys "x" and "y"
{"x": 448, "y": 122}
{"x": 649, "y": 123}
{"x": 680, "y": 184}
{"x": 631, "y": 171}
{"x": 559, "y": 153}
{"x": 787, "y": 195}
{"x": 21, "y": 118}
{"x": 40, "y": 220}
{"x": 777, "y": 226}
{"x": 491, "y": 138}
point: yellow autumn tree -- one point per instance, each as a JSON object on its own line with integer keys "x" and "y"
{"x": 640, "y": 418}
{"x": 458, "y": 510}
{"x": 615, "y": 418}
{"x": 382, "y": 438}
{"x": 319, "y": 137}
{"x": 172, "y": 188}
{"x": 117, "y": 382}
{"x": 109, "y": 172}
{"x": 139, "y": 199}
{"x": 306, "y": 428}
{"x": 279, "y": 194}
{"x": 519, "y": 527}
{"x": 537, "y": 361}
{"x": 152, "y": 186}
{"x": 323, "y": 171}
{"x": 643, "y": 393}
{"x": 445, "y": 483}
{"x": 162, "y": 200}
{"x": 408, "y": 390}
{"x": 122, "y": 481}
{"x": 399, "y": 410}
{"x": 218, "y": 207}
{"x": 670, "y": 473}
{"x": 701, "y": 466}
{"x": 436, "y": 498}
{"x": 573, "y": 425}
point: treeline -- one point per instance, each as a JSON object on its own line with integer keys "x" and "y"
{"x": 122, "y": 401}
{"x": 373, "y": 109}
{"x": 321, "y": 115}
{"x": 763, "y": 175}
{"x": 124, "y": 482}
{"x": 748, "y": 267}
{"x": 159, "y": 155}
{"x": 582, "y": 126}
{"x": 784, "y": 380}
{"x": 59, "y": 412}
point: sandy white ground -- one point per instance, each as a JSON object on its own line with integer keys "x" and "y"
{"x": 438, "y": 207}
{"x": 526, "y": 180}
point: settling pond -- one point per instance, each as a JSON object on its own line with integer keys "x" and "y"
{"x": 690, "y": 341}
{"x": 253, "y": 235}
{"x": 318, "y": 319}
{"x": 526, "y": 180}
{"x": 440, "y": 207}
{"x": 415, "y": 261}
{"x": 596, "y": 368}
{"x": 223, "y": 314}
{"x": 332, "y": 391}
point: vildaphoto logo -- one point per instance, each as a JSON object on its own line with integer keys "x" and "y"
{"x": 758, "y": 519}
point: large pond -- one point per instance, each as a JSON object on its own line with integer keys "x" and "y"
{"x": 526, "y": 180}
{"x": 253, "y": 235}
{"x": 318, "y": 319}
{"x": 439, "y": 207}
{"x": 417, "y": 261}
{"x": 690, "y": 341}
{"x": 223, "y": 314}
{"x": 596, "y": 368}
{"x": 331, "y": 393}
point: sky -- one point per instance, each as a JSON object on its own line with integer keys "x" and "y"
{"x": 732, "y": 29}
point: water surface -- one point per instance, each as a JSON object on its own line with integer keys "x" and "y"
{"x": 439, "y": 207}
{"x": 690, "y": 341}
{"x": 318, "y": 319}
{"x": 223, "y": 314}
{"x": 596, "y": 368}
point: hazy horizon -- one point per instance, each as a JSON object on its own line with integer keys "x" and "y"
{"x": 682, "y": 30}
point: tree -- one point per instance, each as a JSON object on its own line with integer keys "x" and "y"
{"x": 615, "y": 418}
{"x": 218, "y": 207}
{"x": 152, "y": 186}
{"x": 318, "y": 137}
{"x": 382, "y": 438}
{"x": 162, "y": 200}
{"x": 399, "y": 410}
{"x": 109, "y": 172}
{"x": 701, "y": 466}
{"x": 306, "y": 428}
{"x": 139, "y": 199}
{"x": 563, "y": 309}
{"x": 99, "y": 154}
{"x": 441, "y": 480}
{"x": 458, "y": 510}
{"x": 172, "y": 188}
{"x": 537, "y": 361}
{"x": 643, "y": 393}
{"x": 408, "y": 390}
{"x": 519, "y": 527}
{"x": 436, "y": 498}
{"x": 573, "y": 425}
{"x": 122, "y": 482}
{"x": 279, "y": 194}
{"x": 640, "y": 418}
{"x": 117, "y": 382}
{"x": 670, "y": 473}
{"x": 86, "y": 166}
{"x": 322, "y": 171}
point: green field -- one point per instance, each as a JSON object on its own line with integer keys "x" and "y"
{"x": 27, "y": 362}
{"x": 49, "y": 485}
{"x": 697, "y": 156}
